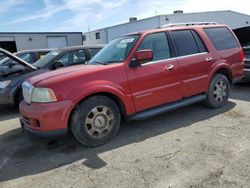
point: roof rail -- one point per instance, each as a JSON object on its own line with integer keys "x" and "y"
{"x": 188, "y": 24}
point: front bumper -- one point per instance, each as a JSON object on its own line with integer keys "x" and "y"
{"x": 46, "y": 119}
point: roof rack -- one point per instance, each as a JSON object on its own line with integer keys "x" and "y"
{"x": 188, "y": 24}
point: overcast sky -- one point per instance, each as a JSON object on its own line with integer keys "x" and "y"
{"x": 79, "y": 15}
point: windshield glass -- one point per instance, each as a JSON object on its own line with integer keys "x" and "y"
{"x": 116, "y": 51}
{"x": 46, "y": 59}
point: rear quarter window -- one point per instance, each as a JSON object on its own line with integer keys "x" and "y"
{"x": 187, "y": 42}
{"x": 222, "y": 38}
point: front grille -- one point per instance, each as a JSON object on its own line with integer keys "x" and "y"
{"x": 27, "y": 92}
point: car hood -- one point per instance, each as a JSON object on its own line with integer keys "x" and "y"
{"x": 66, "y": 72}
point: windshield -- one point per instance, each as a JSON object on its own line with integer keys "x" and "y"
{"x": 116, "y": 51}
{"x": 46, "y": 59}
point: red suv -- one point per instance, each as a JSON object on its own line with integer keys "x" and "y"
{"x": 135, "y": 76}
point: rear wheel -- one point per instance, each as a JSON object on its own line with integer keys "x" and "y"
{"x": 95, "y": 121}
{"x": 218, "y": 92}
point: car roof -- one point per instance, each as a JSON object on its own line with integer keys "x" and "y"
{"x": 35, "y": 50}
{"x": 178, "y": 27}
{"x": 70, "y": 48}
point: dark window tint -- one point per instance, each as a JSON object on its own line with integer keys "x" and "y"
{"x": 221, "y": 38}
{"x": 185, "y": 42}
{"x": 158, "y": 43}
{"x": 199, "y": 42}
{"x": 93, "y": 51}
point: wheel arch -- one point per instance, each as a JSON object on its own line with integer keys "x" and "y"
{"x": 119, "y": 102}
{"x": 225, "y": 70}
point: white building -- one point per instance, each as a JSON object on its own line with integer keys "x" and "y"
{"x": 239, "y": 22}
{"x": 24, "y": 40}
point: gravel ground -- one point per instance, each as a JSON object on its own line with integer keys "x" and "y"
{"x": 192, "y": 147}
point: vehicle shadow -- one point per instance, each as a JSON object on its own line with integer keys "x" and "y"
{"x": 8, "y": 112}
{"x": 29, "y": 156}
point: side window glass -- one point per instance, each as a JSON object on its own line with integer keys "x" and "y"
{"x": 29, "y": 57}
{"x": 78, "y": 57}
{"x": 200, "y": 43}
{"x": 222, "y": 38}
{"x": 65, "y": 59}
{"x": 185, "y": 42}
{"x": 158, "y": 43}
{"x": 93, "y": 51}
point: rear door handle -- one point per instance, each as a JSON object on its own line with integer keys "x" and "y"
{"x": 169, "y": 67}
{"x": 209, "y": 59}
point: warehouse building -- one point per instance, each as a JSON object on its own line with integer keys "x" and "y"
{"x": 24, "y": 41}
{"x": 239, "y": 22}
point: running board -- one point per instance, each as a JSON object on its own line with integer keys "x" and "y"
{"x": 165, "y": 108}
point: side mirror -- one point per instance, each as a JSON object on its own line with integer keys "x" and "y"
{"x": 57, "y": 64}
{"x": 141, "y": 57}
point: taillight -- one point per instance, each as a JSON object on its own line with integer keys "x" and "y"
{"x": 241, "y": 55}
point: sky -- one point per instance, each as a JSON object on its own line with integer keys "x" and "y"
{"x": 84, "y": 15}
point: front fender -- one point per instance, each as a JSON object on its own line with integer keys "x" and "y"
{"x": 97, "y": 87}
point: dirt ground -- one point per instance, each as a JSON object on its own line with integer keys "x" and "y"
{"x": 192, "y": 147}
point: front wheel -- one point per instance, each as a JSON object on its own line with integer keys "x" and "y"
{"x": 95, "y": 121}
{"x": 218, "y": 92}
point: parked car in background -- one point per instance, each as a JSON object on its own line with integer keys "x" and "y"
{"x": 13, "y": 74}
{"x": 135, "y": 76}
{"x": 246, "y": 63}
{"x": 29, "y": 56}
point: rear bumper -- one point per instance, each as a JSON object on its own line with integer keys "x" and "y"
{"x": 45, "y": 119}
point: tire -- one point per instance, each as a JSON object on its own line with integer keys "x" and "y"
{"x": 95, "y": 121}
{"x": 218, "y": 91}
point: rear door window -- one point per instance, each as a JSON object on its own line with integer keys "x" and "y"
{"x": 187, "y": 42}
{"x": 222, "y": 38}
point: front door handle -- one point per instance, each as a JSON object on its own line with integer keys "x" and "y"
{"x": 169, "y": 67}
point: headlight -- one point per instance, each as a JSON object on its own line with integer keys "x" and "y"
{"x": 43, "y": 95}
{"x": 4, "y": 84}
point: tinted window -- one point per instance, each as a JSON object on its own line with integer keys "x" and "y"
{"x": 93, "y": 51}
{"x": 221, "y": 38}
{"x": 199, "y": 42}
{"x": 158, "y": 43}
{"x": 185, "y": 42}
